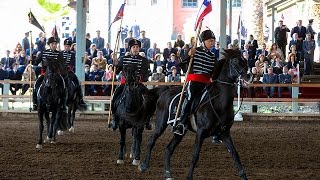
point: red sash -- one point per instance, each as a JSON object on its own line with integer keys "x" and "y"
{"x": 199, "y": 78}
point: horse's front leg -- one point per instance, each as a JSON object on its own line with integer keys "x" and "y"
{"x": 159, "y": 129}
{"x": 40, "y": 130}
{"x": 122, "y": 151}
{"x": 227, "y": 140}
{"x": 196, "y": 152}
{"x": 168, "y": 153}
{"x": 137, "y": 145}
{"x": 55, "y": 125}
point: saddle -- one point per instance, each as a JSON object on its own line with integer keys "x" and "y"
{"x": 194, "y": 106}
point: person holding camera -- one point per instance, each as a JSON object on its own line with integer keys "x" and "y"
{"x": 281, "y": 37}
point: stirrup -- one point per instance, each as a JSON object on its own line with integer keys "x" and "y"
{"x": 179, "y": 129}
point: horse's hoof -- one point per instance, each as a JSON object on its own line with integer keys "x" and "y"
{"x": 47, "y": 140}
{"x": 71, "y": 129}
{"x": 39, "y": 146}
{"x": 142, "y": 168}
{"x": 120, "y": 161}
{"x": 60, "y": 133}
{"x": 169, "y": 179}
{"x": 136, "y": 162}
{"x": 131, "y": 156}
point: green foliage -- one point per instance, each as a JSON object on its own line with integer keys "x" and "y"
{"x": 54, "y": 7}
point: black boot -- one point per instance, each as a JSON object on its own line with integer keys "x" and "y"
{"x": 216, "y": 139}
{"x": 34, "y": 100}
{"x": 180, "y": 127}
{"x": 148, "y": 126}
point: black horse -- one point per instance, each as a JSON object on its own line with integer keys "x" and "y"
{"x": 50, "y": 98}
{"x": 134, "y": 109}
{"x": 73, "y": 102}
{"x": 213, "y": 116}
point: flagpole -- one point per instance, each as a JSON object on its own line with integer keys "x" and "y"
{"x": 114, "y": 58}
{"x": 187, "y": 73}
{"x": 30, "y": 73}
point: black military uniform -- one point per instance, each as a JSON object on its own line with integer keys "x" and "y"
{"x": 50, "y": 54}
{"x": 142, "y": 73}
{"x": 70, "y": 62}
{"x": 200, "y": 74}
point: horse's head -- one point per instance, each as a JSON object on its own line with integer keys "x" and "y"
{"x": 133, "y": 96}
{"x": 236, "y": 66}
{"x": 130, "y": 74}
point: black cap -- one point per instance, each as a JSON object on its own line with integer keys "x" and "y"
{"x": 133, "y": 42}
{"x": 51, "y": 40}
{"x": 207, "y": 34}
{"x": 310, "y": 20}
{"x": 67, "y": 42}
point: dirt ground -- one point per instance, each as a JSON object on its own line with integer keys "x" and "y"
{"x": 268, "y": 150}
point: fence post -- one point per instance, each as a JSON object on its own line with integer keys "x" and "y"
{"x": 5, "y": 100}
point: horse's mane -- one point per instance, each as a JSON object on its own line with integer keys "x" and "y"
{"x": 226, "y": 56}
{"x": 57, "y": 65}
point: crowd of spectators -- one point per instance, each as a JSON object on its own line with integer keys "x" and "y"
{"x": 268, "y": 65}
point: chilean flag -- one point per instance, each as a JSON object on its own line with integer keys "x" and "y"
{"x": 119, "y": 14}
{"x": 205, "y": 9}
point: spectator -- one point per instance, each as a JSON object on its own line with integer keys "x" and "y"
{"x": 135, "y": 28}
{"x": 7, "y": 61}
{"x": 22, "y": 59}
{"x": 269, "y": 78}
{"x": 253, "y": 44}
{"x": 92, "y": 52}
{"x": 41, "y": 42}
{"x": 145, "y": 42}
{"x": 280, "y": 34}
{"x": 246, "y": 48}
{"x": 158, "y": 63}
{"x": 124, "y": 33}
{"x": 292, "y": 61}
{"x": 174, "y": 77}
{"x": 124, "y": 50}
{"x": 309, "y": 46}
{"x": 216, "y": 50}
{"x": 179, "y": 42}
{"x": 298, "y": 46}
{"x": 126, "y": 40}
{"x": 158, "y": 76}
{"x": 3, "y": 75}
{"x": 87, "y": 60}
{"x": 86, "y": 78}
{"x": 17, "y": 50}
{"x": 300, "y": 30}
{"x": 275, "y": 51}
{"x": 88, "y": 41}
{"x": 253, "y": 91}
{"x": 251, "y": 62}
{"x": 263, "y": 51}
{"x": 98, "y": 41}
{"x": 26, "y": 77}
{"x": 107, "y": 51}
{"x": 25, "y": 42}
{"x": 95, "y": 75}
{"x": 260, "y": 64}
{"x": 192, "y": 42}
{"x": 310, "y": 29}
{"x": 168, "y": 51}
{"x": 277, "y": 65}
{"x": 14, "y": 74}
{"x": 152, "y": 52}
{"x": 172, "y": 62}
{"x": 73, "y": 37}
{"x": 284, "y": 78}
{"x": 108, "y": 76}
{"x": 100, "y": 61}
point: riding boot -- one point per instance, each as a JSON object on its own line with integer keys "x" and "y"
{"x": 180, "y": 127}
{"x": 34, "y": 99}
{"x": 81, "y": 102}
{"x": 113, "y": 125}
{"x": 34, "y": 92}
{"x": 216, "y": 139}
